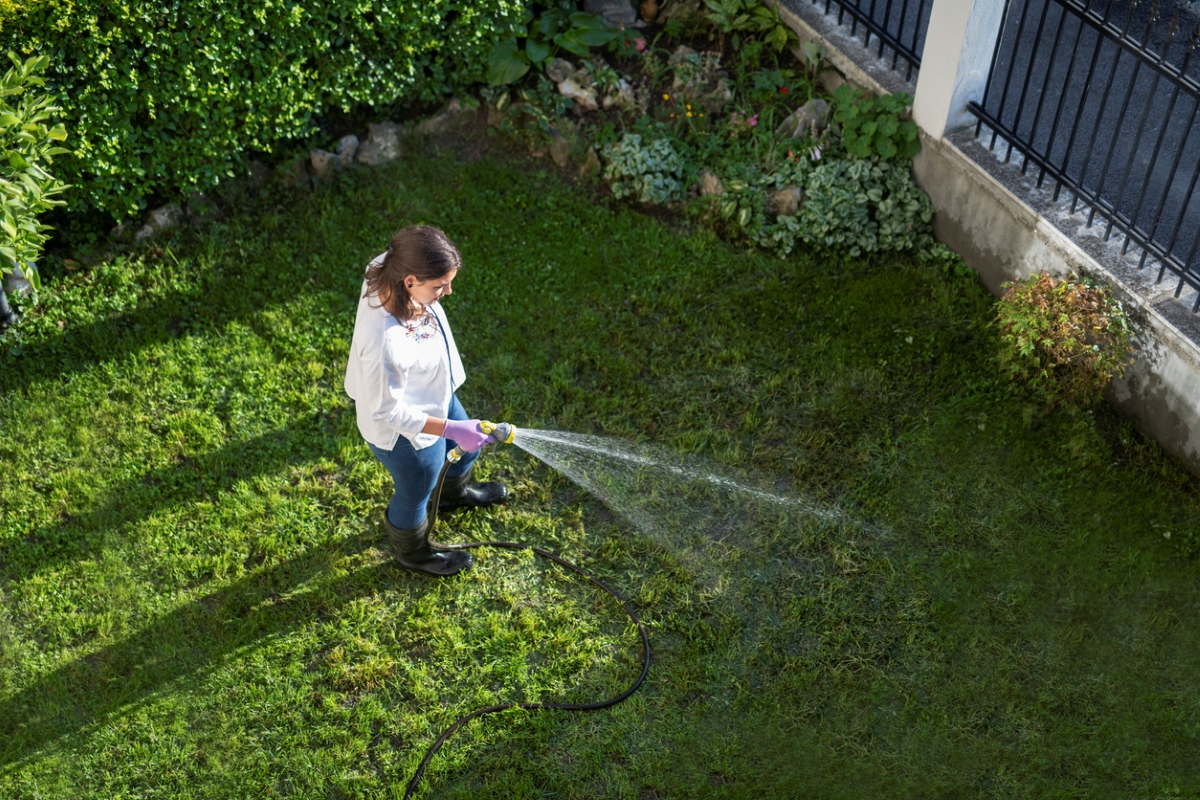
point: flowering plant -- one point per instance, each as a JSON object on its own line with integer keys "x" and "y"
{"x": 742, "y": 123}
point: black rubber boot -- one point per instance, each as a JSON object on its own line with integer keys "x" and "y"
{"x": 412, "y": 550}
{"x": 461, "y": 493}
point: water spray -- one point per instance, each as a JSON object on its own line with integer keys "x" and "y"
{"x": 697, "y": 509}
{"x": 506, "y": 433}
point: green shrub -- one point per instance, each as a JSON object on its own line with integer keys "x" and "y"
{"x": 1062, "y": 340}
{"x": 875, "y": 126}
{"x": 752, "y": 18}
{"x": 865, "y": 206}
{"x": 26, "y": 188}
{"x": 560, "y": 27}
{"x": 850, "y": 206}
{"x": 169, "y": 97}
{"x": 652, "y": 173}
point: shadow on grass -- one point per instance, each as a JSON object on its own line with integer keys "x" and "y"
{"x": 200, "y": 635}
{"x": 186, "y": 479}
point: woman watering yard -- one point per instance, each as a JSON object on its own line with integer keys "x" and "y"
{"x": 402, "y": 374}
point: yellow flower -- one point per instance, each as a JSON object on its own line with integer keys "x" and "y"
{"x": 666, "y": 97}
{"x": 689, "y": 107}
{"x": 689, "y": 113}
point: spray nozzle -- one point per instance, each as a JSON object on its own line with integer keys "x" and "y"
{"x": 504, "y": 432}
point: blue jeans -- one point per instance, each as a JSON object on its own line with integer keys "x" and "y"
{"x": 415, "y": 472}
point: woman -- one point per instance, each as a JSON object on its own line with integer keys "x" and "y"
{"x": 402, "y": 374}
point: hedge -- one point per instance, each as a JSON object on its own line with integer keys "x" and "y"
{"x": 169, "y": 97}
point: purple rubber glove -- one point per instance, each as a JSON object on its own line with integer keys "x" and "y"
{"x": 466, "y": 434}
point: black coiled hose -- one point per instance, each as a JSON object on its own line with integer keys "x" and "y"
{"x": 458, "y": 723}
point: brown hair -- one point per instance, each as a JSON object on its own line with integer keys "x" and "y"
{"x": 418, "y": 250}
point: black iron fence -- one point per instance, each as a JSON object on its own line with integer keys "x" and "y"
{"x": 1102, "y": 97}
{"x": 897, "y": 26}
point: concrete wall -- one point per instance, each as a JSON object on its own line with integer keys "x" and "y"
{"x": 1007, "y": 228}
{"x": 1004, "y": 236}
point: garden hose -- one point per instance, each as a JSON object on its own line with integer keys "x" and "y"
{"x": 505, "y": 432}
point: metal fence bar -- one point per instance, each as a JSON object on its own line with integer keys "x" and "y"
{"x": 1053, "y": 136}
{"x": 901, "y": 32}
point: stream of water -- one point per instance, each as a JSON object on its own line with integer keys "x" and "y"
{"x": 683, "y": 502}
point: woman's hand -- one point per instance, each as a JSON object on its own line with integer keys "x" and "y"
{"x": 466, "y": 434}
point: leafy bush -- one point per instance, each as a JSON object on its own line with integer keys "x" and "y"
{"x": 26, "y": 188}
{"x": 1062, "y": 340}
{"x": 865, "y": 206}
{"x": 558, "y": 27}
{"x": 171, "y": 96}
{"x": 652, "y": 173}
{"x": 753, "y": 17}
{"x": 875, "y": 126}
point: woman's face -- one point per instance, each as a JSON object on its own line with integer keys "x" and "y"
{"x": 430, "y": 291}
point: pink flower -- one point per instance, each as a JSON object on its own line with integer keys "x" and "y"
{"x": 640, "y": 43}
{"x": 753, "y": 120}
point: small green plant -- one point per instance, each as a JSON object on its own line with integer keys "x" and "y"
{"x": 532, "y": 119}
{"x": 875, "y": 126}
{"x": 865, "y": 206}
{"x": 752, "y": 17}
{"x": 1062, "y": 340}
{"x": 653, "y": 173}
{"x": 26, "y": 188}
{"x": 560, "y": 27}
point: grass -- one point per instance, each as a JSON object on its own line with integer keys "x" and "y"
{"x": 196, "y": 600}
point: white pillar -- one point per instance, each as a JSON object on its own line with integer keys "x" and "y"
{"x": 954, "y": 65}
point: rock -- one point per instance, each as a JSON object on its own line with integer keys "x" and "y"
{"x": 681, "y": 54}
{"x": 585, "y": 98}
{"x": 160, "y": 219}
{"x": 615, "y": 13}
{"x": 683, "y": 10}
{"x": 710, "y": 184}
{"x": 260, "y": 173}
{"x": 453, "y": 115}
{"x": 784, "y": 202}
{"x": 383, "y": 143}
{"x": 345, "y": 148}
{"x": 718, "y": 98}
{"x": 323, "y": 162}
{"x": 813, "y": 114}
{"x": 591, "y": 164}
{"x": 622, "y": 96}
{"x": 583, "y": 77}
{"x": 560, "y": 149}
{"x": 166, "y": 217}
{"x": 559, "y": 70}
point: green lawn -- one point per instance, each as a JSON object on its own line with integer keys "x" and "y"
{"x": 196, "y": 598}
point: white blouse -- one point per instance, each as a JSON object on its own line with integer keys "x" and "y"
{"x": 401, "y": 373}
